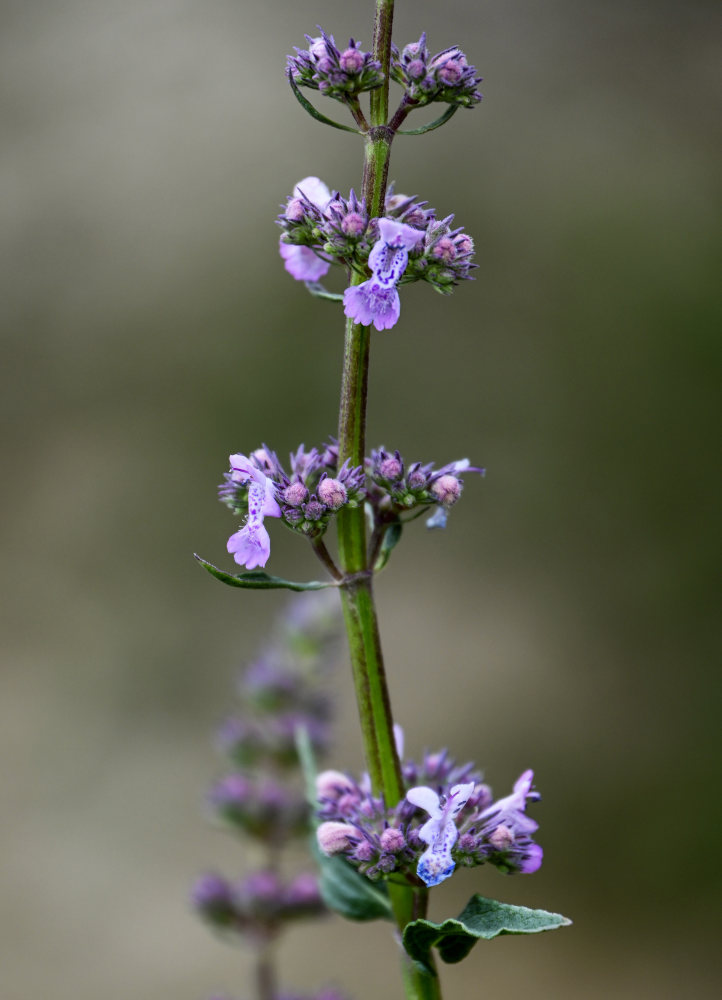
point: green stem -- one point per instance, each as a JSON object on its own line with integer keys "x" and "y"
{"x": 372, "y": 695}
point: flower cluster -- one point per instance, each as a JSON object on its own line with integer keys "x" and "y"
{"x": 261, "y": 796}
{"x": 445, "y": 77}
{"x": 335, "y": 73}
{"x": 447, "y": 817}
{"x": 307, "y": 497}
{"x": 408, "y": 243}
{"x": 395, "y": 488}
{"x": 259, "y": 904}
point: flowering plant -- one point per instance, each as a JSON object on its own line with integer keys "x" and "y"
{"x": 383, "y": 840}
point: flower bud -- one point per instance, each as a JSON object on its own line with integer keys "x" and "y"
{"x": 335, "y": 838}
{"x": 317, "y": 47}
{"x": 392, "y": 840}
{"x": 445, "y": 249}
{"x": 365, "y": 851}
{"x": 467, "y": 843}
{"x": 332, "y": 493}
{"x": 313, "y": 510}
{"x": 353, "y": 224}
{"x": 351, "y": 60}
{"x": 303, "y": 891}
{"x": 295, "y": 494}
{"x": 212, "y": 896}
{"x": 502, "y": 838}
{"x": 260, "y": 886}
{"x": 415, "y": 69}
{"x": 450, "y": 73}
{"x": 331, "y": 784}
{"x": 447, "y": 490}
{"x": 295, "y": 210}
{"x": 390, "y": 468}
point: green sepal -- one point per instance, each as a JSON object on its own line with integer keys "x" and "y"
{"x": 343, "y": 889}
{"x": 437, "y": 123}
{"x": 391, "y": 539}
{"x": 480, "y": 919}
{"x": 307, "y": 106}
{"x": 256, "y": 579}
{"x": 319, "y": 292}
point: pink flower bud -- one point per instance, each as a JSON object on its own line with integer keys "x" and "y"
{"x": 502, "y": 838}
{"x": 353, "y": 224}
{"x": 332, "y": 784}
{"x": 447, "y": 490}
{"x": 445, "y": 249}
{"x": 295, "y": 210}
{"x": 390, "y": 468}
{"x": 450, "y": 72}
{"x": 333, "y": 493}
{"x": 351, "y": 61}
{"x": 295, "y": 494}
{"x": 392, "y": 840}
{"x": 335, "y": 838}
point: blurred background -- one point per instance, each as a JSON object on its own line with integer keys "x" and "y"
{"x": 566, "y": 620}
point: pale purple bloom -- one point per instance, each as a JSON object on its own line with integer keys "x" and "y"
{"x": 506, "y": 819}
{"x": 301, "y": 262}
{"x": 377, "y": 300}
{"x": 440, "y": 831}
{"x": 511, "y": 810}
{"x": 251, "y": 546}
{"x": 438, "y": 519}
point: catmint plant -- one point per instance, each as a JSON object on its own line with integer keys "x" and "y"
{"x": 387, "y": 837}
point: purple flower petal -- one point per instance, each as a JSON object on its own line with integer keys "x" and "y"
{"x": 371, "y": 303}
{"x": 251, "y": 546}
{"x": 314, "y": 189}
{"x": 398, "y": 234}
{"x": 302, "y": 263}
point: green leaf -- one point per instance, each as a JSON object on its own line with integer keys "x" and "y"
{"x": 342, "y": 888}
{"x": 437, "y": 123}
{"x": 319, "y": 292}
{"x": 256, "y": 579}
{"x": 307, "y": 106}
{"x": 391, "y": 539}
{"x": 480, "y": 919}
{"x": 347, "y": 892}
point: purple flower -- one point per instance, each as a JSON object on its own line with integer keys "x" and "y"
{"x": 440, "y": 831}
{"x": 506, "y": 829}
{"x": 301, "y": 262}
{"x": 376, "y": 300}
{"x": 251, "y": 546}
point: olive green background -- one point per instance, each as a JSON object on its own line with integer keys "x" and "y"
{"x": 566, "y": 620}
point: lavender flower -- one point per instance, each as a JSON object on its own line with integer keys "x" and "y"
{"x": 251, "y": 546}
{"x": 377, "y": 300}
{"x": 301, "y": 262}
{"x": 439, "y": 831}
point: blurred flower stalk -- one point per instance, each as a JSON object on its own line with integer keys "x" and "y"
{"x": 260, "y": 797}
{"x": 386, "y": 838}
